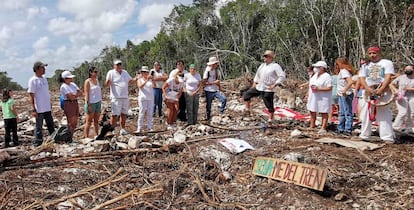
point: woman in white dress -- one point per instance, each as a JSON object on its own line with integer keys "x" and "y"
{"x": 320, "y": 95}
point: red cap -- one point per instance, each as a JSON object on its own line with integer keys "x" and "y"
{"x": 374, "y": 49}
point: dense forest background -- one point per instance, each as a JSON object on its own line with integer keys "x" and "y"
{"x": 301, "y": 32}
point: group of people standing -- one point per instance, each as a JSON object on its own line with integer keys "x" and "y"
{"x": 180, "y": 91}
{"x": 374, "y": 83}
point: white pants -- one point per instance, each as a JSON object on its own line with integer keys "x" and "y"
{"x": 145, "y": 107}
{"x": 384, "y": 119}
{"x": 405, "y": 114}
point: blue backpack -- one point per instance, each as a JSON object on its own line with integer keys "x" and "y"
{"x": 62, "y": 101}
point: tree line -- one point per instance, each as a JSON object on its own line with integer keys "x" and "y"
{"x": 300, "y": 32}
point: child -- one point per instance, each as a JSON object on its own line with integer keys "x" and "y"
{"x": 10, "y": 117}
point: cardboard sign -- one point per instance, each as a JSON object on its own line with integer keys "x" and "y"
{"x": 292, "y": 172}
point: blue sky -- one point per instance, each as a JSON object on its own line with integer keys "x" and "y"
{"x": 64, "y": 33}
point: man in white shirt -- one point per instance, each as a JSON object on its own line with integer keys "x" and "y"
{"x": 212, "y": 86}
{"x": 38, "y": 89}
{"x": 180, "y": 71}
{"x": 159, "y": 77}
{"x": 118, "y": 80}
{"x": 268, "y": 75}
{"x": 375, "y": 76}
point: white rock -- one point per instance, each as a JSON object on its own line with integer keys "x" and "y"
{"x": 134, "y": 142}
{"x": 216, "y": 120}
{"x": 100, "y": 146}
{"x": 227, "y": 175}
{"x": 296, "y": 133}
{"x": 179, "y": 138}
{"x": 221, "y": 158}
{"x": 122, "y": 145}
{"x": 295, "y": 157}
{"x": 85, "y": 140}
{"x": 88, "y": 149}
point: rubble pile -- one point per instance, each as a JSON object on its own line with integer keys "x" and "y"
{"x": 188, "y": 167}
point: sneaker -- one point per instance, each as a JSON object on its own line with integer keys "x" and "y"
{"x": 138, "y": 131}
{"x": 347, "y": 133}
{"x": 151, "y": 130}
{"x": 389, "y": 141}
{"x": 123, "y": 132}
{"x": 169, "y": 127}
{"x": 322, "y": 131}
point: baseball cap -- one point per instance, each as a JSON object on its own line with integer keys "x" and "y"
{"x": 320, "y": 64}
{"x": 67, "y": 74}
{"x": 116, "y": 62}
{"x": 38, "y": 64}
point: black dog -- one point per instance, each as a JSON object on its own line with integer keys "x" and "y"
{"x": 104, "y": 123}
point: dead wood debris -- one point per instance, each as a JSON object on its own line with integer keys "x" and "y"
{"x": 176, "y": 176}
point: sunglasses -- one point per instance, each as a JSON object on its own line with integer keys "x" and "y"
{"x": 119, "y": 64}
{"x": 95, "y": 71}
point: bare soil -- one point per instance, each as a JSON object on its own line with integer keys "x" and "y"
{"x": 177, "y": 177}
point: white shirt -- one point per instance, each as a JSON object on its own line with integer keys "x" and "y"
{"x": 119, "y": 83}
{"x": 159, "y": 83}
{"x": 173, "y": 88}
{"x": 320, "y": 101}
{"x": 267, "y": 75}
{"x": 146, "y": 93}
{"x": 404, "y": 82}
{"x": 174, "y": 72}
{"x": 192, "y": 82}
{"x": 374, "y": 73}
{"x": 342, "y": 76}
{"x": 40, "y": 87}
{"x": 210, "y": 75}
{"x": 65, "y": 89}
{"x": 95, "y": 92}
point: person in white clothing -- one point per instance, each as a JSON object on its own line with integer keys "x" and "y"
{"x": 145, "y": 99}
{"x": 70, "y": 92}
{"x": 268, "y": 76}
{"x": 118, "y": 80}
{"x": 93, "y": 101}
{"x": 320, "y": 95}
{"x": 192, "y": 88}
{"x": 212, "y": 86}
{"x": 172, "y": 89}
{"x": 159, "y": 78}
{"x": 38, "y": 89}
{"x": 375, "y": 76}
{"x": 180, "y": 72}
{"x": 405, "y": 99}
{"x": 345, "y": 95}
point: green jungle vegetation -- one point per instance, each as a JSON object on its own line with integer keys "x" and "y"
{"x": 300, "y": 32}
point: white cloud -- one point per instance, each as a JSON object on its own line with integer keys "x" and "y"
{"x": 5, "y": 35}
{"x": 41, "y": 43}
{"x": 13, "y": 4}
{"x": 65, "y": 33}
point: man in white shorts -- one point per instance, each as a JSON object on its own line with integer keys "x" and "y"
{"x": 117, "y": 80}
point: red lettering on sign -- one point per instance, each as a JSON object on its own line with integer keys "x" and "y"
{"x": 290, "y": 172}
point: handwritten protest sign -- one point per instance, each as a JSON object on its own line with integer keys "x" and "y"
{"x": 300, "y": 174}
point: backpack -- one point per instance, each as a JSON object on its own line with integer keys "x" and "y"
{"x": 62, "y": 101}
{"x": 62, "y": 135}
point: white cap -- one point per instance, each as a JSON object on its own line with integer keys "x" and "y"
{"x": 117, "y": 62}
{"x": 212, "y": 60}
{"x": 144, "y": 69}
{"x": 67, "y": 74}
{"x": 320, "y": 64}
